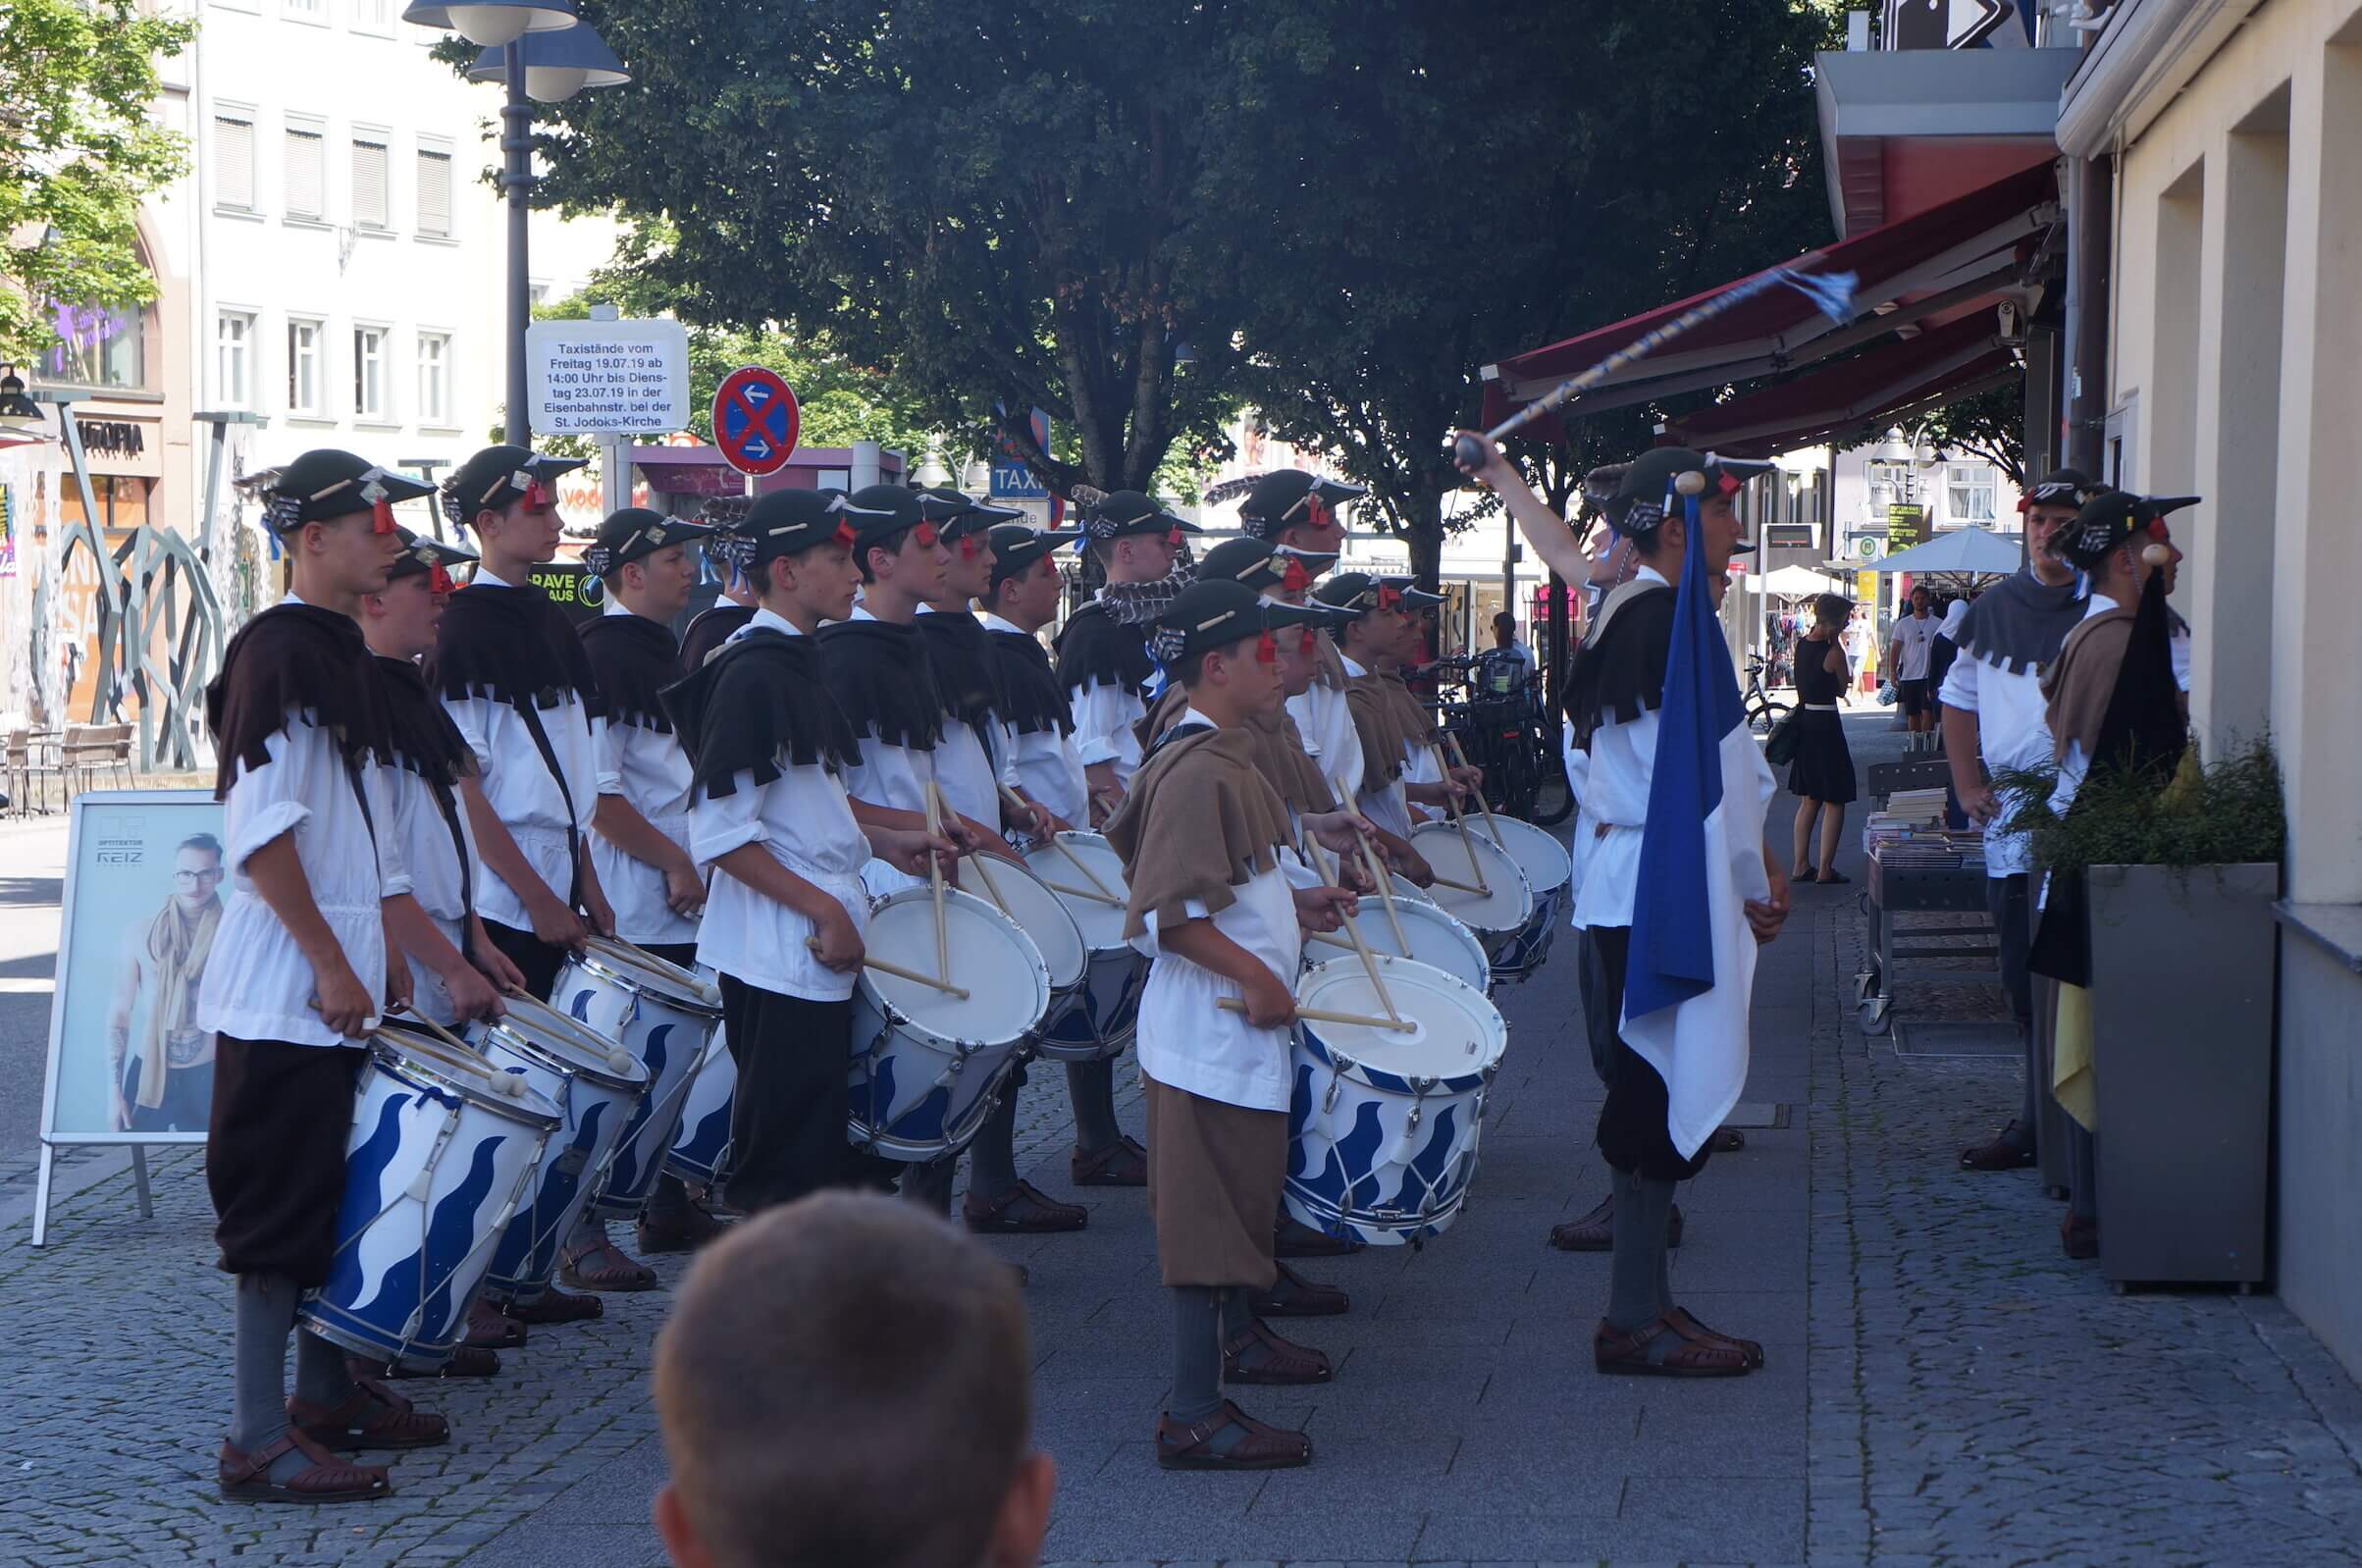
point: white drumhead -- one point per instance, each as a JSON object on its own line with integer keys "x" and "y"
{"x": 1437, "y": 939}
{"x": 991, "y": 959}
{"x": 1041, "y": 913}
{"x": 1536, "y": 850}
{"x": 1507, "y": 903}
{"x": 1102, "y": 923}
{"x": 1454, "y": 1030}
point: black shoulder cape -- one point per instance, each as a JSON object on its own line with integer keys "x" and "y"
{"x": 425, "y": 740}
{"x": 2018, "y": 623}
{"x": 1094, "y": 647}
{"x": 960, "y": 655}
{"x": 633, "y": 658}
{"x": 709, "y": 630}
{"x": 1622, "y": 675}
{"x": 762, "y": 699}
{"x": 514, "y": 645}
{"x": 878, "y": 674}
{"x": 1031, "y": 697}
{"x": 296, "y": 658}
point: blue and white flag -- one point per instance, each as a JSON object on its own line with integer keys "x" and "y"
{"x": 1691, "y": 973}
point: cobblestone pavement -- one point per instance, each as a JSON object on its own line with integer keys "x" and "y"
{"x": 1943, "y": 1385}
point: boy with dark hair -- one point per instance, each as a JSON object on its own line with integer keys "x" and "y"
{"x": 734, "y": 606}
{"x": 848, "y": 1380}
{"x": 1204, "y": 841}
{"x": 1103, "y": 659}
{"x": 768, "y": 752}
{"x": 298, "y": 975}
{"x": 1397, "y": 736}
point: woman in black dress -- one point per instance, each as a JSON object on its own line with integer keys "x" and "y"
{"x": 1821, "y": 778}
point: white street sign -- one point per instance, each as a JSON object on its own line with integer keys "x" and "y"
{"x": 609, "y": 377}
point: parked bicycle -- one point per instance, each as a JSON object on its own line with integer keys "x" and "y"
{"x": 1764, "y": 715}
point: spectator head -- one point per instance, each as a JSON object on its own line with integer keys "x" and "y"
{"x": 1921, "y": 599}
{"x": 1832, "y": 610}
{"x": 1504, "y": 629}
{"x": 846, "y": 1380}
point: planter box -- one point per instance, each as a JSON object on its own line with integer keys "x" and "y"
{"x": 2181, "y": 963}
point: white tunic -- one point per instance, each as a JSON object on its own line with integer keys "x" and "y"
{"x": 1325, "y": 720}
{"x": 432, "y": 860}
{"x": 1104, "y": 717}
{"x": 2012, "y": 734}
{"x": 804, "y": 820}
{"x": 963, "y": 767}
{"x": 258, "y": 985}
{"x": 518, "y": 785}
{"x": 1045, "y": 765}
{"x": 648, "y": 769}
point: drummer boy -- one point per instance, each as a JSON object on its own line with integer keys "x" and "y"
{"x": 298, "y": 976}
{"x": 1202, "y": 836}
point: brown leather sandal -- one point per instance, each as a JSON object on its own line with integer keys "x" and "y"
{"x": 1264, "y": 1447}
{"x": 247, "y": 1477}
{"x": 1690, "y": 1329}
{"x": 1284, "y": 1364}
{"x": 1725, "y": 1140}
{"x": 553, "y": 1306}
{"x": 490, "y": 1329}
{"x": 1122, "y": 1163}
{"x": 372, "y": 1416}
{"x": 1626, "y": 1353}
{"x": 1291, "y": 1295}
{"x": 1596, "y": 1231}
{"x": 678, "y": 1230}
{"x": 621, "y": 1274}
{"x": 1024, "y": 1209}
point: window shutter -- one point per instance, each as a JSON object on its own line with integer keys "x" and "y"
{"x": 434, "y": 192}
{"x": 307, "y": 182}
{"x": 369, "y": 184}
{"x": 234, "y": 151}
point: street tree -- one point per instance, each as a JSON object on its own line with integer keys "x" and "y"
{"x": 1991, "y": 425}
{"x": 77, "y": 151}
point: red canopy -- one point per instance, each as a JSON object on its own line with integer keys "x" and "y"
{"x": 1932, "y": 265}
{"x": 1867, "y": 390}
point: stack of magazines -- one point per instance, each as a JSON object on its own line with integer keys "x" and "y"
{"x": 1910, "y": 832}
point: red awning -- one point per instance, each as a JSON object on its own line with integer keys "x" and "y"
{"x": 1928, "y": 267}
{"x": 1864, "y": 391}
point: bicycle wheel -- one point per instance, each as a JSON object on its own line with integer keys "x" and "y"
{"x": 1765, "y": 717}
{"x": 1554, "y": 794}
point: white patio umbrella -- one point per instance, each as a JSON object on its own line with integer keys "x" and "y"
{"x": 1976, "y": 551}
{"x": 1798, "y": 582}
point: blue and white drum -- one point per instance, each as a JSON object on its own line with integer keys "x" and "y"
{"x": 1384, "y": 1124}
{"x": 1103, "y": 1024}
{"x": 597, "y": 1088}
{"x": 928, "y": 1064}
{"x": 1490, "y": 897}
{"x": 1042, "y": 914}
{"x": 1433, "y": 937}
{"x": 665, "y": 1016}
{"x": 700, "y": 1149}
{"x": 1549, "y": 870}
{"x": 443, "y": 1148}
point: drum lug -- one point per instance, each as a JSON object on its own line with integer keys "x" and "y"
{"x": 1329, "y": 1100}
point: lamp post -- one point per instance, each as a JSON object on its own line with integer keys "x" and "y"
{"x": 539, "y": 51}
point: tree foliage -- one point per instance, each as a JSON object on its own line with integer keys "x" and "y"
{"x": 77, "y": 152}
{"x": 1991, "y": 425}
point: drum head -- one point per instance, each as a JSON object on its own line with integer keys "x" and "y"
{"x": 1537, "y": 853}
{"x": 1437, "y": 939}
{"x": 469, "y": 1077}
{"x": 1102, "y": 923}
{"x": 668, "y": 979}
{"x": 534, "y": 1017}
{"x": 610, "y": 1065}
{"x": 1507, "y": 903}
{"x": 1041, "y": 912}
{"x": 994, "y": 960}
{"x": 1455, "y": 1034}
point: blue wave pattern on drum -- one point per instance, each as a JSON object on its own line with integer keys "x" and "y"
{"x": 876, "y": 1107}
{"x": 450, "y": 1234}
{"x": 626, "y": 1176}
{"x": 702, "y": 1143}
{"x": 528, "y": 1251}
{"x": 376, "y": 1287}
{"x": 366, "y": 1197}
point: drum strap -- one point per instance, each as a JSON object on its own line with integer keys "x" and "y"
{"x": 541, "y": 742}
{"x": 449, "y": 808}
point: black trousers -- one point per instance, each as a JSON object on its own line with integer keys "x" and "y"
{"x": 2007, "y": 900}
{"x": 787, "y": 1123}
{"x": 1632, "y": 1133}
{"x": 535, "y": 957}
{"x": 274, "y": 1154}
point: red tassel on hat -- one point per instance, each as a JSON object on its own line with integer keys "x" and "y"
{"x": 440, "y": 581}
{"x": 968, "y": 546}
{"x": 1317, "y": 511}
{"x": 845, "y": 535}
{"x": 1296, "y": 579}
{"x": 927, "y": 535}
{"x": 1267, "y": 649}
{"x": 1173, "y": 537}
{"x": 1730, "y": 483}
{"x": 536, "y": 499}
{"x": 1389, "y": 598}
{"x": 1306, "y": 644}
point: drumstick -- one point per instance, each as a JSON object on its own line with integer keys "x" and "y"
{"x": 1067, "y": 849}
{"x": 433, "y": 1029}
{"x": 899, "y": 973}
{"x": 1332, "y": 941}
{"x": 991, "y": 890}
{"x": 1463, "y": 887}
{"x": 1082, "y": 893}
{"x": 1232, "y": 1004}
{"x": 1491, "y": 823}
{"x": 1385, "y": 885}
{"x": 934, "y": 873}
{"x": 1451, "y": 803}
{"x": 1369, "y": 963}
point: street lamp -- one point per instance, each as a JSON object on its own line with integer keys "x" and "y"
{"x": 17, "y": 411}
{"x": 540, "y": 52}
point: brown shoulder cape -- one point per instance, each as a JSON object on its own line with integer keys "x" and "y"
{"x": 1279, "y": 755}
{"x": 1418, "y": 726}
{"x": 2081, "y": 679}
{"x": 1378, "y": 720}
{"x": 1199, "y": 822}
{"x": 1332, "y": 671}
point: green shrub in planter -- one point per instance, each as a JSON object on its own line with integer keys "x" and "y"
{"x": 2226, "y": 812}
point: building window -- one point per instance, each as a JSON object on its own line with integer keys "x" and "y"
{"x": 369, "y": 373}
{"x": 98, "y": 346}
{"x": 435, "y": 192}
{"x": 373, "y": 16}
{"x": 313, "y": 11}
{"x": 433, "y": 378}
{"x": 369, "y": 204}
{"x": 1968, "y": 492}
{"x": 1889, "y": 484}
{"x": 308, "y": 170}
{"x": 304, "y": 371}
{"x": 233, "y": 358}
{"x": 233, "y": 162}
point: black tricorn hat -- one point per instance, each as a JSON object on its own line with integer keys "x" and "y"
{"x": 429, "y": 557}
{"x": 1217, "y": 614}
{"x": 325, "y": 484}
{"x": 634, "y": 534}
{"x": 498, "y": 476}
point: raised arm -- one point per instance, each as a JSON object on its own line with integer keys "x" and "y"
{"x": 1552, "y": 540}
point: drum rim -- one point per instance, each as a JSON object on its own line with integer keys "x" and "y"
{"x": 1356, "y": 1068}
{"x": 532, "y": 1107}
{"x": 1565, "y": 857}
{"x": 566, "y": 1020}
{"x": 1523, "y": 881}
{"x": 1082, "y": 942}
{"x": 866, "y": 985}
{"x": 591, "y": 963}
{"x": 1076, "y": 835}
{"x": 662, "y": 970}
{"x": 600, "y": 1072}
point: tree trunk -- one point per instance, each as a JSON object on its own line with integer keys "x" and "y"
{"x": 1423, "y": 531}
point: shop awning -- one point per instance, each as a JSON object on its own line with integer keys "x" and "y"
{"x": 1920, "y": 271}
{"x": 1867, "y": 392}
